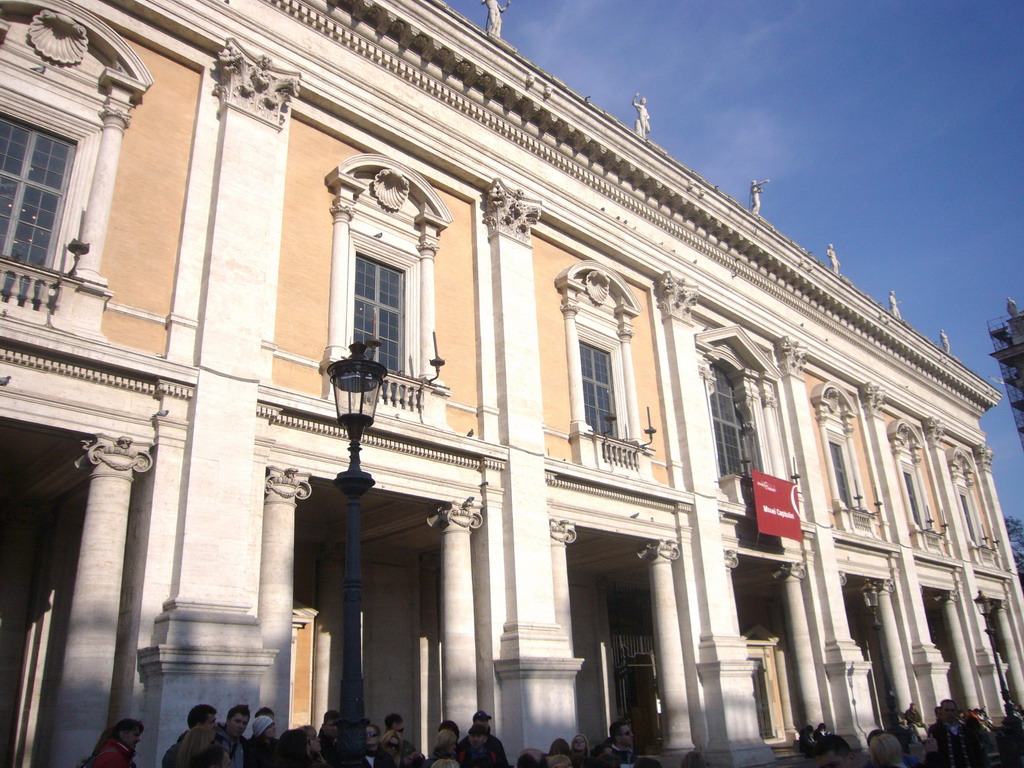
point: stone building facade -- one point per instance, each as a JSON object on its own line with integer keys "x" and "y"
{"x": 206, "y": 201}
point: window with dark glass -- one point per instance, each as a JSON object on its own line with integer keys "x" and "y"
{"x": 598, "y": 399}
{"x": 842, "y": 478}
{"x": 735, "y": 439}
{"x": 34, "y": 170}
{"x": 968, "y": 518}
{"x": 379, "y": 313}
{"x": 915, "y": 507}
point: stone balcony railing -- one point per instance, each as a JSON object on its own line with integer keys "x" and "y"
{"x": 414, "y": 399}
{"x": 931, "y": 541}
{"x": 28, "y": 291}
{"x": 984, "y": 555}
{"x": 611, "y": 454}
{"x": 858, "y": 521}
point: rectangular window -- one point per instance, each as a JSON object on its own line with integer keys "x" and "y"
{"x": 842, "y": 478}
{"x": 379, "y": 310}
{"x": 598, "y": 399}
{"x": 968, "y": 518}
{"x": 34, "y": 170}
{"x": 915, "y": 507}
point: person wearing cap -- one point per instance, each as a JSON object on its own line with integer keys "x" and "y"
{"x": 493, "y": 744}
{"x": 477, "y": 754}
{"x": 261, "y": 747}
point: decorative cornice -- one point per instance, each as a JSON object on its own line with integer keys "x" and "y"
{"x": 674, "y": 205}
{"x": 555, "y": 480}
{"x": 94, "y": 375}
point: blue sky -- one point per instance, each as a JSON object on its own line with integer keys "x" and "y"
{"x": 892, "y": 129}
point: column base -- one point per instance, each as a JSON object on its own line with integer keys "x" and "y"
{"x": 851, "y": 699}
{"x": 539, "y": 696}
{"x": 931, "y": 671}
{"x": 203, "y": 654}
{"x": 733, "y": 740}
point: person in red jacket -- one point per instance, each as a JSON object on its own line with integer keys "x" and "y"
{"x": 116, "y": 747}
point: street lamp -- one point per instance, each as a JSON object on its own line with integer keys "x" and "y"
{"x": 988, "y": 606}
{"x": 870, "y": 593}
{"x": 356, "y": 381}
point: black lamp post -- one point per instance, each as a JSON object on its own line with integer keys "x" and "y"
{"x": 1010, "y": 737}
{"x": 870, "y": 593}
{"x": 356, "y": 381}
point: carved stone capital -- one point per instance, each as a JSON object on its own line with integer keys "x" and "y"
{"x": 427, "y": 246}
{"x": 113, "y": 116}
{"x": 252, "y": 83}
{"x": 663, "y": 549}
{"x": 791, "y": 356}
{"x": 115, "y": 453}
{"x": 676, "y": 298}
{"x": 983, "y": 456}
{"x": 343, "y": 212}
{"x": 732, "y": 559}
{"x": 570, "y": 306}
{"x": 452, "y": 514}
{"x": 562, "y": 531}
{"x": 950, "y": 596}
{"x": 934, "y": 431}
{"x": 882, "y": 586}
{"x": 768, "y": 398}
{"x": 510, "y": 212}
{"x": 625, "y": 334}
{"x": 842, "y": 578}
{"x": 873, "y": 398}
{"x": 790, "y": 571}
{"x": 286, "y": 485}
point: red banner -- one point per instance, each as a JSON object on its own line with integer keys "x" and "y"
{"x": 777, "y": 506}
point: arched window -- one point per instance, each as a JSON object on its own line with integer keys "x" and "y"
{"x": 735, "y": 435}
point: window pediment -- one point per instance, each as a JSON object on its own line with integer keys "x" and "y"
{"x": 591, "y": 283}
{"x": 734, "y": 346}
{"x": 393, "y": 187}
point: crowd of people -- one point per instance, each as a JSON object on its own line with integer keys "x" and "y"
{"x": 209, "y": 743}
{"x": 957, "y": 739}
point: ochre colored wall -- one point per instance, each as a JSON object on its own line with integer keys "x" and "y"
{"x": 548, "y": 261}
{"x": 811, "y": 382}
{"x": 455, "y": 312}
{"x": 149, "y": 198}
{"x": 304, "y": 276}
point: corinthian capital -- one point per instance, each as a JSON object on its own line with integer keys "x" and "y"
{"x": 452, "y": 514}
{"x": 676, "y": 298}
{"x": 983, "y": 456}
{"x": 562, "y": 531}
{"x": 663, "y": 549}
{"x": 873, "y": 398}
{"x": 510, "y": 212}
{"x": 934, "y": 431}
{"x": 791, "y": 356}
{"x": 286, "y": 485}
{"x": 253, "y": 84}
{"x": 115, "y": 453}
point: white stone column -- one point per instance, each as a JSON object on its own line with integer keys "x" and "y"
{"x": 428, "y": 252}
{"x": 84, "y": 694}
{"x": 628, "y": 377}
{"x": 1008, "y": 650}
{"x": 96, "y": 218}
{"x": 329, "y": 625}
{"x": 458, "y": 625}
{"x": 563, "y": 533}
{"x": 577, "y": 411}
{"x": 668, "y": 645}
{"x": 893, "y": 646}
{"x": 964, "y": 668}
{"x": 791, "y": 575}
{"x": 340, "y": 294}
{"x": 284, "y": 487}
{"x": 773, "y": 440}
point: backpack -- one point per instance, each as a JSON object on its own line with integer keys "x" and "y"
{"x": 88, "y": 762}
